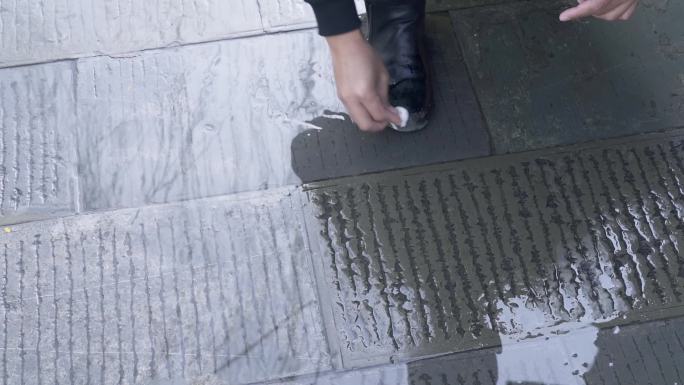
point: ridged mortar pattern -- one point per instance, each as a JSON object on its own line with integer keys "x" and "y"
{"x": 458, "y": 256}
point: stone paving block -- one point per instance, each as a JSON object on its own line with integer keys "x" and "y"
{"x": 543, "y": 83}
{"x": 440, "y": 259}
{"x": 456, "y": 130}
{"x": 198, "y": 121}
{"x": 52, "y": 29}
{"x": 37, "y": 116}
{"x": 218, "y": 290}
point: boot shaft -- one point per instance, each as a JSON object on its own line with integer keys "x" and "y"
{"x": 396, "y": 31}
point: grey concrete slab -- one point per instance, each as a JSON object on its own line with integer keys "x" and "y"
{"x": 214, "y": 291}
{"x": 33, "y": 32}
{"x": 37, "y": 121}
{"x": 467, "y": 255}
{"x": 543, "y": 83}
{"x": 198, "y": 121}
{"x": 456, "y": 130}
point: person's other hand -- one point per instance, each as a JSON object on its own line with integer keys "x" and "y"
{"x": 602, "y": 9}
{"x": 362, "y": 82}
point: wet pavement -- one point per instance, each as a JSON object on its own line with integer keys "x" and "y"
{"x": 182, "y": 202}
{"x": 474, "y": 254}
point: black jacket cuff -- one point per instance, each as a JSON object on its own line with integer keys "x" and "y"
{"x": 335, "y": 17}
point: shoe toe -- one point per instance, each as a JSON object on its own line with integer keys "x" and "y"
{"x": 416, "y": 122}
{"x": 411, "y": 95}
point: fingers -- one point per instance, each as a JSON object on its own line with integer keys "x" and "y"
{"x": 370, "y": 109}
{"x": 363, "y": 118}
{"x": 584, "y": 9}
{"x": 601, "y": 9}
{"x": 363, "y": 85}
{"x": 615, "y": 13}
{"x": 393, "y": 116}
{"x": 630, "y": 12}
{"x": 381, "y": 111}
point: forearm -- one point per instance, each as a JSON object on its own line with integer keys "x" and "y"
{"x": 335, "y": 17}
{"x": 345, "y": 43}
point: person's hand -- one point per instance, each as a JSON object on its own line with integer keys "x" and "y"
{"x": 362, "y": 82}
{"x": 602, "y": 9}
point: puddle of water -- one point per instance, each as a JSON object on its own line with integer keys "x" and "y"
{"x": 533, "y": 351}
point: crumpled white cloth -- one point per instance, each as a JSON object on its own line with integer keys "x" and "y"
{"x": 404, "y": 114}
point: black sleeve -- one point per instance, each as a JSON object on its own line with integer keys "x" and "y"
{"x": 335, "y": 17}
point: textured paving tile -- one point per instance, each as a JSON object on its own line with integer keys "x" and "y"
{"x": 641, "y": 353}
{"x": 198, "y": 121}
{"x": 219, "y": 291}
{"x": 58, "y": 29}
{"x": 52, "y": 29}
{"x": 37, "y": 114}
{"x": 456, "y": 130}
{"x": 569, "y": 83}
{"x": 445, "y": 258}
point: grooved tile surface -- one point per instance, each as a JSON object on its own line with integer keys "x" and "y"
{"x": 37, "y": 114}
{"x": 35, "y": 31}
{"x": 448, "y": 258}
{"x": 543, "y": 83}
{"x": 198, "y": 121}
{"x": 456, "y": 130}
{"x": 636, "y": 354}
{"x": 217, "y": 291}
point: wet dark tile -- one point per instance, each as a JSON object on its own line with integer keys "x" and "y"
{"x": 337, "y": 148}
{"x": 544, "y": 83}
{"x": 641, "y": 353}
{"x": 37, "y": 151}
{"x": 493, "y": 251}
{"x": 218, "y": 290}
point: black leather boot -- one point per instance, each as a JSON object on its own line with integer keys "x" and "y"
{"x": 396, "y": 29}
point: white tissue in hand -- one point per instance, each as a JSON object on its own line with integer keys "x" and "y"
{"x": 404, "y": 115}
